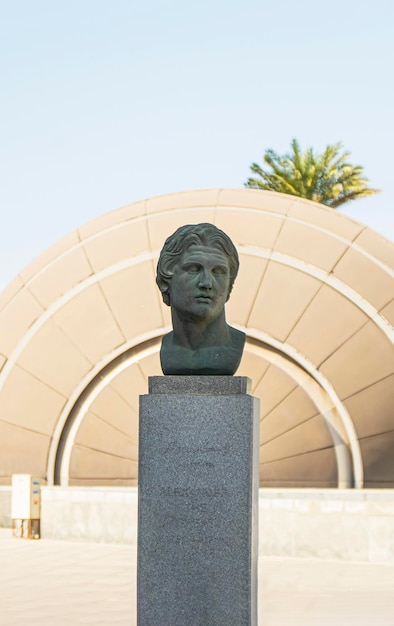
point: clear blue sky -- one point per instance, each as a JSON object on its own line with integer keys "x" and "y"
{"x": 108, "y": 102}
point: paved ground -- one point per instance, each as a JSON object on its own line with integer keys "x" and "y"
{"x": 57, "y": 583}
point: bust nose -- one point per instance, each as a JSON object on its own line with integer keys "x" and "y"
{"x": 205, "y": 281}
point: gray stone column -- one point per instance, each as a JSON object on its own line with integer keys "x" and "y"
{"x": 198, "y": 502}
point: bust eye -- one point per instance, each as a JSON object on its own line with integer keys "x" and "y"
{"x": 193, "y": 269}
{"x": 219, "y": 270}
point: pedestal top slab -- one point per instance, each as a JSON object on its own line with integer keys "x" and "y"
{"x": 200, "y": 385}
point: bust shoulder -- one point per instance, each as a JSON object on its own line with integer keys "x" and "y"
{"x": 212, "y": 360}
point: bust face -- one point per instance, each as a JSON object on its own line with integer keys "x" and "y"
{"x": 200, "y": 284}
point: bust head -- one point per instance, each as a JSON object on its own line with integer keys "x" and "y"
{"x": 195, "y": 274}
{"x": 184, "y": 238}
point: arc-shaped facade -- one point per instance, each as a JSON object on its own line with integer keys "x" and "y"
{"x": 80, "y": 332}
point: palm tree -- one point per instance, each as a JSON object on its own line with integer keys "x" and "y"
{"x": 327, "y": 178}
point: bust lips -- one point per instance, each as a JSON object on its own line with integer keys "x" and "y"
{"x": 201, "y": 297}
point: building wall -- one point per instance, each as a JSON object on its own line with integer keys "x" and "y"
{"x": 353, "y": 525}
{"x": 80, "y": 331}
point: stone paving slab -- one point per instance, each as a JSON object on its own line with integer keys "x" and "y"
{"x": 59, "y": 583}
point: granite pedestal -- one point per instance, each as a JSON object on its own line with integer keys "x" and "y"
{"x": 198, "y": 502}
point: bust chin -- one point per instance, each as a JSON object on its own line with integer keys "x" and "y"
{"x": 213, "y": 360}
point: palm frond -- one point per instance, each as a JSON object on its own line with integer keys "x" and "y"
{"x": 328, "y": 178}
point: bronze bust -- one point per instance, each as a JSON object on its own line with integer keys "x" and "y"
{"x": 195, "y": 274}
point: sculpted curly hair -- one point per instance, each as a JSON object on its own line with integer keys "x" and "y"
{"x": 184, "y": 237}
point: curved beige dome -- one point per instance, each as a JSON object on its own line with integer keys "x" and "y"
{"x": 80, "y": 331}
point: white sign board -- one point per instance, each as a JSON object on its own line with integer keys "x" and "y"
{"x": 25, "y": 497}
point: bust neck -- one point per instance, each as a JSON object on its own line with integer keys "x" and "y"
{"x": 195, "y": 334}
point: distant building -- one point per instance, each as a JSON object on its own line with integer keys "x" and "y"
{"x": 80, "y": 331}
